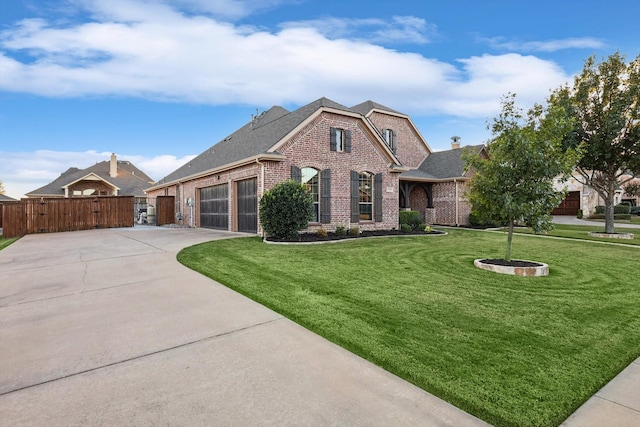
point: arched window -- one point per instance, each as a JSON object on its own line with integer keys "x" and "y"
{"x": 365, "y": 196}
{"x": 311, "y": 182}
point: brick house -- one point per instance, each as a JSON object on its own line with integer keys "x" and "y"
{"x": 362, "y": 164}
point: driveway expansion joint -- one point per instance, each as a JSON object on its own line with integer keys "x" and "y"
{"x": 142, "y": 356}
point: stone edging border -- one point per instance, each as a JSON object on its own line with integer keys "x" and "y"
{"x": 444, "y": 233}
{"x": 542, "y": 270}
{"x": 627, "y": 236}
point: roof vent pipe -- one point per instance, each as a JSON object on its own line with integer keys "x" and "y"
{"x": 455, "y": 142}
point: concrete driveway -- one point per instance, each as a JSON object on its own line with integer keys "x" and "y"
{"x": 105, "y": 327}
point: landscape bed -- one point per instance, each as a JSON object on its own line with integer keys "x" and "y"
{"x": 513, "y": 351}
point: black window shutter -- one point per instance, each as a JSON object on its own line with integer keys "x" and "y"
{"x": 394, "y": 146}
{"x": 347, "y": 141}
{"x": 296, "y": 174}
{"x": 377, "y": 197}
{"x": 355, "y": 200}
{"x": 325, "y": 196}
{"x": 332, "y": 139}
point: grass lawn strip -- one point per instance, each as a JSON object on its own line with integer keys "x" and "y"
{"x": 582, "y": 232}
{"x": 513, "y": 351}
{"x": 6, "y": 242}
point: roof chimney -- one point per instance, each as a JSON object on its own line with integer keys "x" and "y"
{"x": 455, "y": 142}
{"x": 113, "y": 166}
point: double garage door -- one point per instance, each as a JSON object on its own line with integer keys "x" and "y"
{"x": 214, "y": 206}
{"x": 570, "y": 205}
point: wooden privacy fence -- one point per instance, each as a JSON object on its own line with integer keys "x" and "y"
{"x": 32, "y": 216}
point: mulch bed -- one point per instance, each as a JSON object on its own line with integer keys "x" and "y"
{"x": 313, "y": 237}
{"x": 512, "y": 263}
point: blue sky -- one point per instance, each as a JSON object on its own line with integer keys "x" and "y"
{"x": 158, "y": 82}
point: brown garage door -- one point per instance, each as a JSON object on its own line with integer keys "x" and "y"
{"x": 214, "y": 207}
{"x": 570, "y": 205}
{"x": 247, "y": 206}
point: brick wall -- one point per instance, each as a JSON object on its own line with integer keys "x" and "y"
{"x": 310, "y": 148}
{"x": 418, "y": 201}
{"x": 444, "y": 202}
{"x": 411, "y": 151}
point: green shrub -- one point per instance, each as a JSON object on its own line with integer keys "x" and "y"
{"x": 405, "y": 228}
{"x": 412, "y": 218}
{"x": 354, "y": 231}
{"x": 619, "y": 217}
{"x": 473, "y": 219}
{"x": 286, "y": 209}
{"x": 635, "y": 210}
{"x": 580, "y": 214}
{"x": 341, "y": 231}
{"x": 617, "y": 209}
{"x": 621, "y": 209}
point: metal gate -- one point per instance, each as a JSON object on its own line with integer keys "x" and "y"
{"x": 247, "y": 205}
{"x": 214, "y": 207}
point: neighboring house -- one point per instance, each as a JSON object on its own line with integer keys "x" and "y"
{"x": 583, "y": 197}
{"x": 106, "y": 178}
{"x": 362, "y": 164}
{"x": 8, "y": 199}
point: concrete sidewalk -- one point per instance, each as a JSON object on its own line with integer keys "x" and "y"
{"x": 105, "y": 327}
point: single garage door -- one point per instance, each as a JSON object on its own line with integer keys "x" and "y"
{"x": 214, "y": 207}
{"x": 247, "y": 206}
{"x": 570, "y": 205}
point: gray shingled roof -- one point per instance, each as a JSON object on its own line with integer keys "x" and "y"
{"x": 442, "y": 164}
{"x": 254, "y": 138}
{"x": 4, "y": 198}
{"x": 369, "y": 105}
{"x": 130, "y": 180}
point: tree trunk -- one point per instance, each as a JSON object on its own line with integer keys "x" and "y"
{"x": 608, "y": 209}
{"x": 507, "y": 256}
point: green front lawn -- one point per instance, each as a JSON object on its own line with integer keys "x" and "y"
{"x": 512, "y": 351}
{"x": 582, "y": 232}
{"x": 6, "y": 242}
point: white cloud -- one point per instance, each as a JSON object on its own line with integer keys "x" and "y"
{"x": 397, "y": 29}
{"x": 149, "y": 50}
{"x": 22, "y": 172}
{"x": 501, "y": 43}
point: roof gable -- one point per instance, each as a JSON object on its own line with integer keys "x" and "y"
{"x": 368, "y": 106}
{"x": 90, "y": 177}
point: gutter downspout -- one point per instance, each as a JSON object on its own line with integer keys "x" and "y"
{"x": 455, "y": 182}
{"x": 261, "y": 190}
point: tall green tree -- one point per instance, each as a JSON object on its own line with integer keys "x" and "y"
{"x": 605, "y": 102}
{"x": 515, "y": 183}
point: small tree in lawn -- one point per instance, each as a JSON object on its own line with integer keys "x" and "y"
{"x": 525, "y": 155}
{"x": 286, "y": 209}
